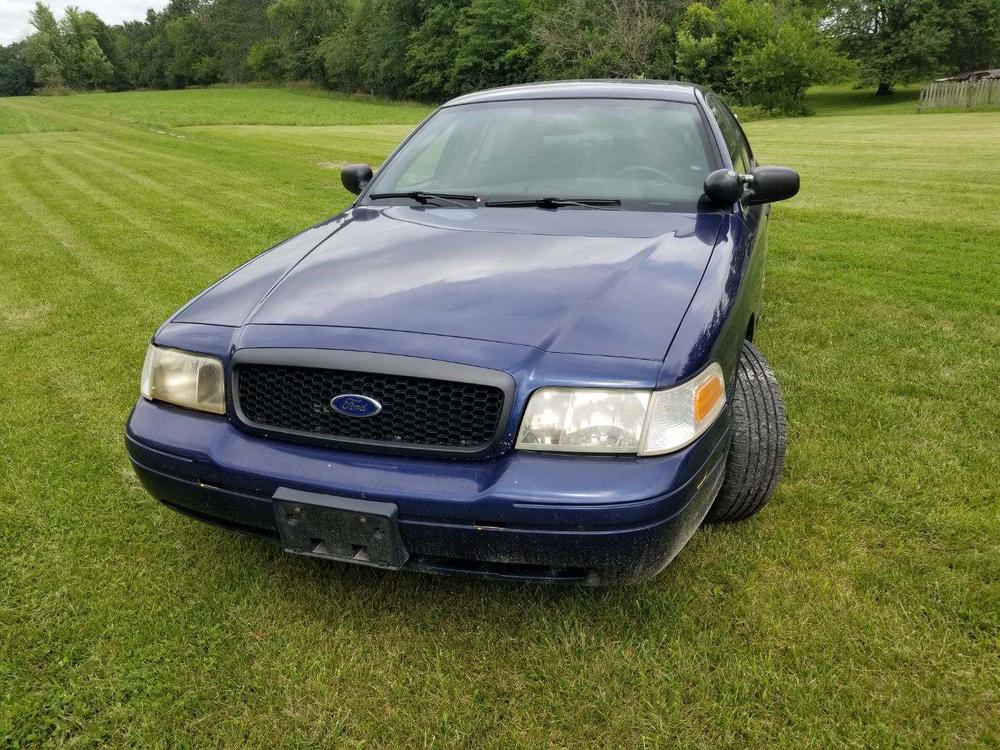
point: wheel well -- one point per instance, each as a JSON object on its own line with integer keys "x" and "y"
{"x": 750, "y": 327}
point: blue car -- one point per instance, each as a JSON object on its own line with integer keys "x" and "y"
{"x": 523, "y": 352}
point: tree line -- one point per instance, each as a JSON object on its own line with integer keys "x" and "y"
{"x": 759, "y": 53}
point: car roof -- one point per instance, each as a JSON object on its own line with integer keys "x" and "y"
{"x": 585, "y": 89}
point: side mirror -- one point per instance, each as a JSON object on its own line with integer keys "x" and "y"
{"x": 724, "y": 187}
{"x": 356, "y": 177}
{"x": 771, "y": 184}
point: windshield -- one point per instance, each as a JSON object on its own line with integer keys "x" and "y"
{"x": 650, "y": 155}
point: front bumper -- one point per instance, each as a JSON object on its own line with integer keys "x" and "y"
{"x": 522, "y": 515}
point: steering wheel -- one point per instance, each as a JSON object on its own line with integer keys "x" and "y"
{"x": 643, "y": 169}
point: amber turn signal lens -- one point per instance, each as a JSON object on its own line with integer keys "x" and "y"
{"x": 678, "y": 415}
{"x": 707, "y": 396}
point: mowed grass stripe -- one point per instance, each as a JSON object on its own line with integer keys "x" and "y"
{"x": 262, "y": 210}
{"x": 312, "y": 144}
{"x": 62, "y": 517}
{"x": 918, "y": 169}
{"x": 182, "y": 157}
{"x": 65, "y": 281}
{"x": 52, "y": 213}
{"x": 197, "y": 166}
{"x": 210, "y": 193}
{"x": 860, "y": 609}
{"x": 114, "y": 213}
{"x": 903, "y": 261}
{"x": 135, "y": 174}
{"x": 221, "y": 106}
{"x": 168, "y": 229}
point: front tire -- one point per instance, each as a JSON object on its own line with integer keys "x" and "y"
{"x": 757, "y": 452}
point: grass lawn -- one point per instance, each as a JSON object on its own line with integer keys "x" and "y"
{"x": 845, "y": 100}
{"x": 861, "y": 609}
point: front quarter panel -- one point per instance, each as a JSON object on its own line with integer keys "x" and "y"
{"x": 716, "y": 322}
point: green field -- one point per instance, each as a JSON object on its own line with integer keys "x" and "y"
{"x": 860, "y": 609}
{"x": 844, "y": 100}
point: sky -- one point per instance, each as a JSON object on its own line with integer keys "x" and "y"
{"x": 14, "y": 13}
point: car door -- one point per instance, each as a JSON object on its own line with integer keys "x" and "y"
{"x": 754, "y": 244}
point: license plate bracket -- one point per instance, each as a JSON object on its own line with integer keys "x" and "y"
{"x": 339, "y": 528}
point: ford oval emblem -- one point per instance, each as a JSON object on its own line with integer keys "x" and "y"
{"x": 355, "y": 405}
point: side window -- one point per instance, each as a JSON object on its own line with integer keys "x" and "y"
{"x": 747, "y": 151}
{"x": 739, "y": 150}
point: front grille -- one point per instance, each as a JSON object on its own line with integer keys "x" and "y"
{"x": 416, "y": 411}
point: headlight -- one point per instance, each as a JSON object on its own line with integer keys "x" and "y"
{"x": 643, "y": 422}
{"x": 194, "y": 381}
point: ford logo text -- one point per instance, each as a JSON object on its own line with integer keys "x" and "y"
{"x": 355, "y": 405}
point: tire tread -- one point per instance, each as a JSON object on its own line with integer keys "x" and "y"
{"x": 757, "y": 452}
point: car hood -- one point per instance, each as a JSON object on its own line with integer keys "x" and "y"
{"x": 611, "y": 283}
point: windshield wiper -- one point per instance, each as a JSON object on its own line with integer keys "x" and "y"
{"x": 423, "y": 197}
{"x": 556, "y": 203}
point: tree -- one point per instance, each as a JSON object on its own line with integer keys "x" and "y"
{"x": 756, "y": 53}
{"x": 494, "y": 44}
{"x": 343, "y": 52}
{"x": 464, "y": 45}
{"x": 72, "y": 52}
{"x": 132, "y": 41}
{"x": 188, "y": 48}
{"x": 264, "y": 59}
{"x": 299, "y": 26}
{"x": 16, "y": 76}
{"x": 43, "y": 49}
{"x": 83, "y": 61}
{"x": 895, "y": 41}
{"x": 235, "y": 26}
{"x": 975, "y": 37}
{"x": 93, "y": 68}
{"x": 432, "y": 49}
{"x": 699, "y": 55}
{"x": 606, "y": 39}
{"x": 775, "y": 73}
{"x": 383, "y": 65}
